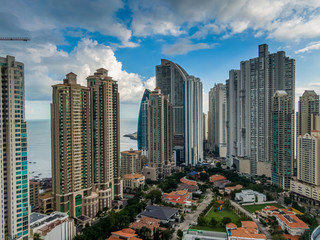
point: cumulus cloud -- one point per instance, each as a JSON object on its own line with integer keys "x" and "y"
{"x": 281, "y": 20}
{"x": 45, "y": 65}
{"x": 184, "y": 46}
{"x": 311, "y": 46}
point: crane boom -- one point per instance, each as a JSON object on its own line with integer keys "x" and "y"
{"x": 14, "y": 39}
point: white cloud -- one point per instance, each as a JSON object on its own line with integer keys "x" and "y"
{"x": 281, "y": 20}
{"x": 45, "y": 65}
{"x": 184, "y": 46}
{"x": 311, "y": 46}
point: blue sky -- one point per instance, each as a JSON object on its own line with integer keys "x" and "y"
{"x": 129, "y": 38}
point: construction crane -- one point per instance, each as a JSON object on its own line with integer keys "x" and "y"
{"x": 14, "y": 39}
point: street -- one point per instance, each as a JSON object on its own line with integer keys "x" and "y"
{"x": 192, "y": 217}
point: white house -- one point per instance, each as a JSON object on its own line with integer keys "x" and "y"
{"x": 250, "y": 196}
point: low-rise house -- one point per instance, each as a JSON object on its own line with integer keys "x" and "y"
{"x": 188, "y": 182}
{"x": 164, "y": 214}
{"x": 250, "y": 196}
{"x": 124, "y": 234}
{"x": 217, "y": 177}
{"x": 133, "y": 181}
{"x": 189, "y": 188}
{"x": 248, "y": 231}
{"x": 228, "y": 190}
{"x": 291, "y": 223}
{"x": 55, "y": 226}
{"x": 150, "y": 223}
{"x": 182, "y": 197}
{"x": 221, "y": 184}
{"x": 287, "y": 220}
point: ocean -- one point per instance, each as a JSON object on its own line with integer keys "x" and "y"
{"x": 39, "y": 141}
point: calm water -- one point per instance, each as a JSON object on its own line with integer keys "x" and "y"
{"x": 39, "y": 140}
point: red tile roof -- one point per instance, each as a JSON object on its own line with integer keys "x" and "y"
{"x": 187, "y": 181}
{"x": 291, "y": 220}
{"x": 217, "y": 177}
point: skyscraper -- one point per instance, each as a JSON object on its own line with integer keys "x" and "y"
{"x": 143, "y": 123}
{"x": 282, "y": 139}
{"x": 233, "y": 118}
{"x": 308, "y": 112}
{"x": 217, "y": 116}
{"x": 184, "y": 92}
{"x": 193, "y": 139}
{"x": 306, "y": 184}
{"x": 85, "y": 144}
{"x": 14, "y": 183}
{"x": 259, "y": 78}
{"x": 105, "y": 122}
{"x": 160, "y": 152}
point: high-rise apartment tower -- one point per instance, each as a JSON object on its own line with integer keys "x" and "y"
{"x": 14, "y": 183}
{"x": 251, "y": 93}
{"x": 85, "y": 144}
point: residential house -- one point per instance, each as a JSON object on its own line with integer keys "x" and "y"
{"x": 164, "y": 214}
{"x": 248, "y": 231}
{"x": 250, "y": 196}
{"x": 124, "y": 234}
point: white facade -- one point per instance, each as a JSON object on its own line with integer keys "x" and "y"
{"x": 249, "y": 95}
{"x": 14, "y": 183}
{"x": 250, "y": 196}
{"x": 217, "y": 117}
{"x": 193, "y": 121}
{"x": 55, "y": 226}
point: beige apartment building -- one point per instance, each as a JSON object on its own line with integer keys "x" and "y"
{"x": 131, "y": 162}
{"x": 85, "y": 144}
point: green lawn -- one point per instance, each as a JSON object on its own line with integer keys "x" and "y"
{"x": 204, "y": 228}
{"x": 253, "y": 208}
{"x": 219, "y": 215}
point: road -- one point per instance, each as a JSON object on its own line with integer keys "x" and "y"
{"x": 260, "y": 226}
{"x": 192, "y": 217}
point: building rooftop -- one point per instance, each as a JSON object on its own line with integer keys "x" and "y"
{"x": 217, "y": 177}
{"x": 291, "y": 220}
{"x": 249, "y": 224}
{"x": 38, "y": 219}
{"x": 126, "y": 233}
{"x": 132, "y": 176}
{"x": 158, "y": 212}
{"x": 187, "y": 181}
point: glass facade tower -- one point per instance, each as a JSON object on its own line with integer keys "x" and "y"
{"x": 14, "y": 183}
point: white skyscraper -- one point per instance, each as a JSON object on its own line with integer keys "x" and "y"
{"x": 14, "y": 183}
{"x": 217, "y": 116}
{"x": 193, "y": 121}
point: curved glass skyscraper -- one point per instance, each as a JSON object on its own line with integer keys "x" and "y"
{"x": 143, "y": 123}
{"x": 185, "y": 96}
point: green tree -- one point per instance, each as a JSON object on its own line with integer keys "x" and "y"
{"x": 180, "y": 234}
{"x": 202, "y": 221}
{"x": 213, "y": 222}
{"x": 36, "y": 236}
{"x": 287, "y": 200}
{"x": 225, "y": 221}
{"x": 154, "y": 195}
